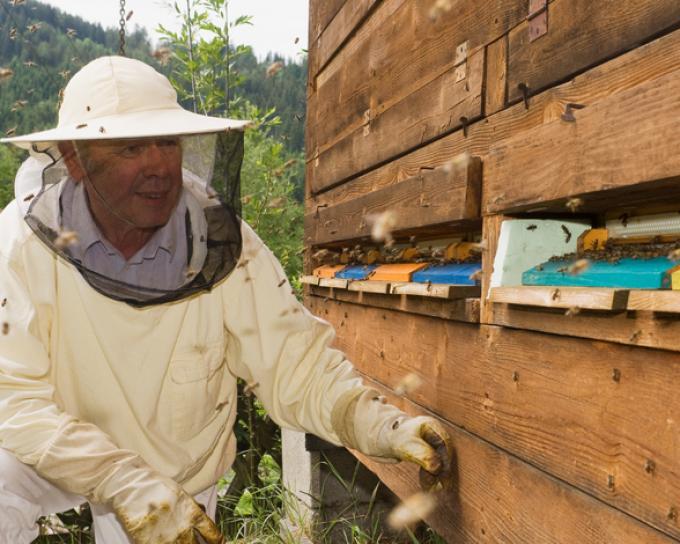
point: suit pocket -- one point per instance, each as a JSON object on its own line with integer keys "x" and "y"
{"x": 197, "y": 377}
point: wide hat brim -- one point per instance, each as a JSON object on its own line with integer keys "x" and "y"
{"x": 142, "y": 124}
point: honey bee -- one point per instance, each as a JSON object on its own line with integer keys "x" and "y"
{"x": 413, "y": 509}
{"x": 66, "y": 238}
{"x": 574, "y": 204}
{"x": 571, "y": 312}
{"x": 408, "y": 384}
{"x": 578, "y": 267}
{"x": 274, "y": 68}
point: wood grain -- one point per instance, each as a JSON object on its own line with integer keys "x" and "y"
{"x": 625, "y": 140}
{"x": 581, "y": 34}
{"x": 466, "y": 310}
{"x": 656, "y": 301}
{"x": 498, "y": 498}
{"x": 399, "y": 59}
{"x": 618, "y": 75}
{"x": 586, "y": 298}
{"x": 580, "y": 410}
{"x": 640, "y": 328}
{"x": 496, "y": 76}
{"x": 434, "y": 197}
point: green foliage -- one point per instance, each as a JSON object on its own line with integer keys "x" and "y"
{"x": 9, "y": 163}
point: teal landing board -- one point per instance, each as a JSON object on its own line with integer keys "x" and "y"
{"x": 627, "y": 274}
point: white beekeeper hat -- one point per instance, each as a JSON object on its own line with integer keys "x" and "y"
{"x": 117, "y": 97}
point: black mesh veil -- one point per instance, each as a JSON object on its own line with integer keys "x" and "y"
{"x": 207, "y": 223}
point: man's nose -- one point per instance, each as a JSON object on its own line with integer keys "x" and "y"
{"x": 155, "y": 161}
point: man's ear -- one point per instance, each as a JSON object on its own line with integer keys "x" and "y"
{"x": 75, "y": 169}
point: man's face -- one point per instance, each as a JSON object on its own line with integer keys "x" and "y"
{"x": 139, "y": 181}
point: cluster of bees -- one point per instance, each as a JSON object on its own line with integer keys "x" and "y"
{"x": 614, "y": 251}
{"x": 462, "y": 252}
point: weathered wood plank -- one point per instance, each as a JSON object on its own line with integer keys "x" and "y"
{"x": 498, "y": 498}
{"x": 564, "y": 159}
{"x": 644, "y": 63}
{"x": 586, "y": 298}
{"x": 434, "y": 197}
{"x": 496, "y": 76}
{"x": 435, "y": 290}
{"x": 466, "y": 310}
{"x": 565, "y": 408}
{"x": 491, "y": 228}
{"x": 655, "y": 301}
{"x": 321, "y": 13}
{"x": 642, "y": 328}
{"x": 336, "y": 283}
{"x": 581, "y": 34}
{"x": 350, "y": 16}
{"x": 398, "y": 55}
{"x": 439, "y": 107}
{"x": 381, "y": 287}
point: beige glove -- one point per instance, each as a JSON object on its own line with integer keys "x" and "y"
{"x": 153, "y": 508}
{"x": 179, "y": 523}
{"x": 364, "y": 422}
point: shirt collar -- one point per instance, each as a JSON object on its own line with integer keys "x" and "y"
{"x": 78, "y": 218}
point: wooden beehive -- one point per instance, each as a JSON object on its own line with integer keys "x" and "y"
{"x": 562, "y": 404}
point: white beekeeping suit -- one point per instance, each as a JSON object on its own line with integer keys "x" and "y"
{"x": 123, "y": 391}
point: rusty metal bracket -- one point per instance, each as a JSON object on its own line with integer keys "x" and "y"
{"x": 568, "y": 114}
{"x": 460, "y": 62}
{"x": 537, "y": 18}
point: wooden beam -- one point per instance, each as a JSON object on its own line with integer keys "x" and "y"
{"x": 434, "y": 197}
{"x": 466, "y": 310}
{"x": 562, "y": 159}
{"x": 350, "y": 16}
{"x": 591, "y": 413}
{"x": 496, "y": 76}
{"x": 435, "y": 290}
{"x": 655, "y": 301}
{"x": 581, "y": 34}
{"x": 659, "y": 57}
{"x": 380, "y": 287}
{"x": 410, "y": 94}
{"x": 499, "y": 498}
{"x": 585, "y": 298}
{"x": 640, "y": 328}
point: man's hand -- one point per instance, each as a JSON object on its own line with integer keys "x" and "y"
{"x": 424, "y": 441}
{"x": 182, "y": 523}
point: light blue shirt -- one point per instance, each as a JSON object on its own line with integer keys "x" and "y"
{"x": 160, "y": 264}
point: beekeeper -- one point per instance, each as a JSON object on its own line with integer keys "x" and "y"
{"x": 132, "y": 298}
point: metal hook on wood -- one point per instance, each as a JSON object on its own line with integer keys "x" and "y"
{"x": 525, "y": 94}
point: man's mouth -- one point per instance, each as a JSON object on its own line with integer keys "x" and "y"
{"x": 153, "y": 195}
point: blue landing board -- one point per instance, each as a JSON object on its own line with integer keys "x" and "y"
{"x": 452, "y": 274}
{"x": 356, "y": 272}
{"x": 627, "y": 273}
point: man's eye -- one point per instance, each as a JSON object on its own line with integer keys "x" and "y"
{"x": 168, "y": 143}
{"x": 131, "y": 150}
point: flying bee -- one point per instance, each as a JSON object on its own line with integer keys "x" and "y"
{"x": 571, "y": 312}
{"x": 129, "y": 15}
{"x": 66, "y": 238}
{"x": 248, "y": 389}
{"x": 408, "y": 384}
{"x": 578, "y": 267}
{"x": 34, "y": 27}
{"x": 274, "y": 68}
{"x": 71, "y": 32}
{"x": 10, "y": 131}
{"x": 574, "y": 204}
{"x": 413, "y": 509}
{"x": 477, "y": 276}
{"x": 6, "y": 73}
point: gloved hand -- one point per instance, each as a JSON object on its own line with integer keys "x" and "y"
{"x": 181, "y": 523}
{"x": 364, "y": 422}
{"x": 153, "y": 508}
